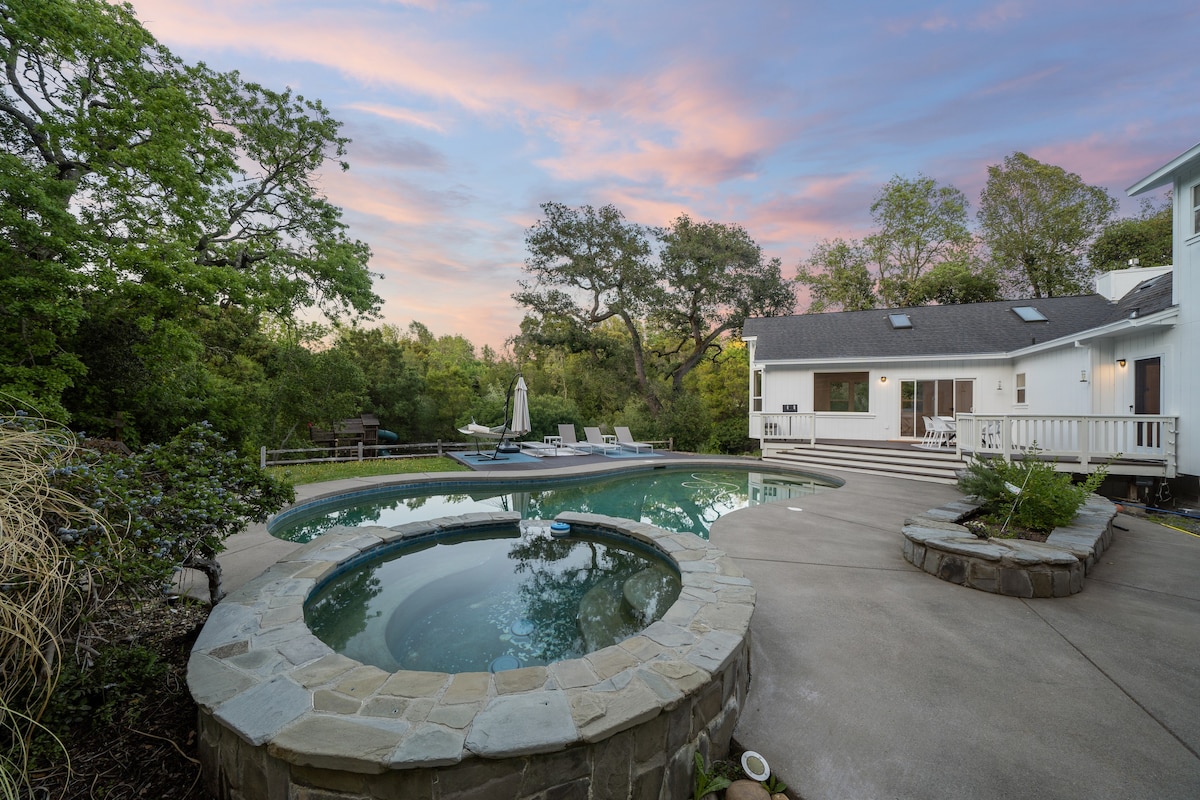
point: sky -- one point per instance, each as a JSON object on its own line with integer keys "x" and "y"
{"x": 783, "y": 116}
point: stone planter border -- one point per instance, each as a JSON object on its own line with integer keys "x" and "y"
{"x": 283, "y": 716}
{"x": 936, "y": 543}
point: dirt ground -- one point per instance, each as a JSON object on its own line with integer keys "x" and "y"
{"x": 150, "y": 751}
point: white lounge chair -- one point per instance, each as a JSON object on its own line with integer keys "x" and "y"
{"x": 566, "y": 437}
{"x": 626, "y": 442}
{"x": 595, "y": 441}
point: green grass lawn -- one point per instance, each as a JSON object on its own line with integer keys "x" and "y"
{"x": 297, "y": 474}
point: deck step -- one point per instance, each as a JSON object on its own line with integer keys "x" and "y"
{"x": 921, "y": 465}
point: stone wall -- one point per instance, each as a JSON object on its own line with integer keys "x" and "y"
{"x": 935, "y": 542}
{"x": 282, "y": 717}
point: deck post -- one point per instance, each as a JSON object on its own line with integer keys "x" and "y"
{"x": 360, "y": 451}
{"x": 262, "y": 457}
{"x": 1085, "y": 427}
{"x": 1006, "y": 438}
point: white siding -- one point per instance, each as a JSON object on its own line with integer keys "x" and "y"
{"x": 1057, "y": 381}
{"x": 1181, "y": 392}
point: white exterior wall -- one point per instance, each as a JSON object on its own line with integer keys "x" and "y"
{"x": 1057, "y": 381}
{"x": 784, "y": 385}
{"x": 1181, "y": 394}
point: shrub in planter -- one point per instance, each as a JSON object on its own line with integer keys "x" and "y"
{"x": 1028, "y": 494}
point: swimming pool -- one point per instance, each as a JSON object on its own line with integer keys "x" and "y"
{"x": 682, "y": 500}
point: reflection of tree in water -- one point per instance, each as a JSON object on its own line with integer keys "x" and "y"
{"x": 339, "y": 612}
{"x": 561, "y": 572}
{"x": 307, "y": 529}
{"x": 684, "y": 502}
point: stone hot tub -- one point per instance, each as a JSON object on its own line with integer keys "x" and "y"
{"x": 284, "y": 716}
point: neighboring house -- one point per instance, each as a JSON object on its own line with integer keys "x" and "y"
{"x": 1086, "y": 379}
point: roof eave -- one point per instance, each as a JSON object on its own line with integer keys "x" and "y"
{"x": 1164, "y": 174}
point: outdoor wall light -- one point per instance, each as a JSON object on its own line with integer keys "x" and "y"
{"x": 1120, "y": 362}
{"x": 883, "y": 378}
{"x": 1083, "y": 376}
{"x": 999, "y": 386}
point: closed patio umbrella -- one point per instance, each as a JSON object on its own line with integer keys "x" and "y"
{"x": 520, "y": 418}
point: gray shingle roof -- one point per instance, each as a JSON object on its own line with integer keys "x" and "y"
{"x": 951, "y": 330}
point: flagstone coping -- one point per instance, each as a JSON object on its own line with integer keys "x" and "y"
{"x": 938, "y": 544}
{"x": 258, "y": 671}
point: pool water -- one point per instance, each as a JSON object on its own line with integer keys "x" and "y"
{"x": 678, "y": 500}
{"x": 513, "y": 597}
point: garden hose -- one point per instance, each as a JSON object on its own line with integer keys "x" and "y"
{"x": 1184, "y": 514}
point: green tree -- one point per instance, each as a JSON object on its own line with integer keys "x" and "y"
{"x": 958, "y": 282}
{"x": 713, "y": 277}
{"x": 310, "y": 385}
{"x": 587, "y": 266}
{"x": 838, "y": 277}
{"x": 40, "y": 305}
{"x": 1146, "y": 238}
{"x": 920, "y": 226}
{"x": 394, "y": 378}
{"x": 158, "y": 189}
{"x": 1037, "y": 221}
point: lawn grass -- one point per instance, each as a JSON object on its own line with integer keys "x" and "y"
{"x": 297, "y": 474}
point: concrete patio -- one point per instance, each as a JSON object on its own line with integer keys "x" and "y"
{"x": 873, "y": 679}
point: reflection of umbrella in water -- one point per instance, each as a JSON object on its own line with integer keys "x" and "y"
{"x": 516, "y": 501}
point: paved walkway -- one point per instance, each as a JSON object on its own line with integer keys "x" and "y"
{"x": 872, "y": 679}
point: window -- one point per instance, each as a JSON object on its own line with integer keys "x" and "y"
{"x": 841, "y": 391}
{"x": 756, "y": 392}
{"x": 1196, "y": 208}
{"x": 1020, "y": 387}
{"x": 899, "y": 321}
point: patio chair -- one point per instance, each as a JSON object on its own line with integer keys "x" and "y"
{"x": 991, "y": 435}
{"x": 626, "y": 442}
{"x": 930, "y": 437}
{"x": 942, "y": 432}
{"x": 595, "y": 441}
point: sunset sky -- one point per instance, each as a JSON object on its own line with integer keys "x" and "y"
{"x": 785, "y": 117}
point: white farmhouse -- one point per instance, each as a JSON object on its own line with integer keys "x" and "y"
{"x": 1110, "y": 377}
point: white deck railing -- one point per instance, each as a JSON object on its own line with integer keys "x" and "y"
{"x": 1145, "y": 443}
{"x": 794, "y": 427}
{"x": 1090, "y": 439}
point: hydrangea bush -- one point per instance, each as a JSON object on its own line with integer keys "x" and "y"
{"x": 167, "y": 506}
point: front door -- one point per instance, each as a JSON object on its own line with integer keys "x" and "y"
{"x": 1147, "y": 398}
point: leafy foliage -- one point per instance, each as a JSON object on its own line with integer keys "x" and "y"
{"x": 1146, "y": 238}
{"x": 1037, "y": 220}
{"x": 838, "y": 277}
{"x": 706, "y": 782}
{"x": 1028, "y": 493}
{"x": 920, "y": 225}
{"x": 169, "y": 506}
{"x": 139, "y": 195}
{"x": 590, "y": 266}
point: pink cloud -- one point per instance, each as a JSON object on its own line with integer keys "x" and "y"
{"x": 400, "y": 115}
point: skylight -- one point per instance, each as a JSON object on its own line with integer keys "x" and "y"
{"x": 1029, "y": 314}
{"x": 899, "y": 321}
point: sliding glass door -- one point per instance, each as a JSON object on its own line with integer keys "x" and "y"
{"x": 940, "y": 398}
